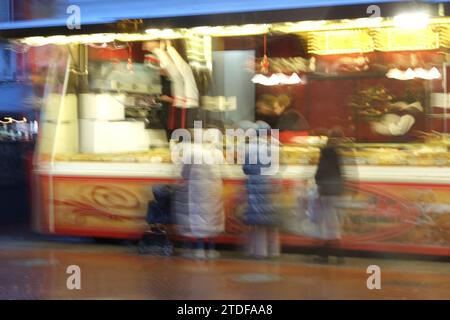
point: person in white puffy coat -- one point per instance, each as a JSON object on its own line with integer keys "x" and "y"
{"x": 198, "y": 200}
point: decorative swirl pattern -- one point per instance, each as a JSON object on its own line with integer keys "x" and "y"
{"x": 104, "y": 202}
{"x": 114, "y": 197}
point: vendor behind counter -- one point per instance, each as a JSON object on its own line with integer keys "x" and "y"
{"x": 278, "y": 113}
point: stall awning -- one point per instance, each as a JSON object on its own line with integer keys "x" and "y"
{"x": 100, "y": 16}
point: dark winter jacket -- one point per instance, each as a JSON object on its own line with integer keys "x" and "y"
{"x": 292, "y": 120}
{"x": 328, "y": 175}
{"x": 159, "y": 208}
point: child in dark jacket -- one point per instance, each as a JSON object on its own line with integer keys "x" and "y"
{"x": 156, "y": 240}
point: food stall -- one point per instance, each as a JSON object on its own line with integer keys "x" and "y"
{"x": 105, "y": 125}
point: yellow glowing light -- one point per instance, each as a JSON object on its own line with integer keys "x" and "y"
{"x": 355, "y": 34}
{"x": 340, "y": 41}
{"x": 302, "y": 26}
{"x": 345, "y": 24}
{"x": 102, "y": 38}
{"x": 64, "y": 40}
{"x": 165, "y": 33}
{"x": 228, "y": 31}
{"x": 395, "y": 39}
{"x": 444, "y": 36}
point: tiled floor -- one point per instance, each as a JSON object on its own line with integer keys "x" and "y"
{"x": 37, "y": 270}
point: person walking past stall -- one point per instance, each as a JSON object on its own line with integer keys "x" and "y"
{"x": 329, "y": 181}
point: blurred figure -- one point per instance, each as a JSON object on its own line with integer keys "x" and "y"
{"x": 260, "y": 214}
{"x": 156, "y": 240}
{"x": 329, "y": 182}
{"x": 180, "y": 202}
{"x": 198, "y": 203}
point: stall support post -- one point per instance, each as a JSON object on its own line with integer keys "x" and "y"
{"x": 444, "y": 86}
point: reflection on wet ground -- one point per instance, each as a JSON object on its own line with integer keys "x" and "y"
{"x": 37, "y": 270}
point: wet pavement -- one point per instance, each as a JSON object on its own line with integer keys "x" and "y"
{"x": 36, "y": 269}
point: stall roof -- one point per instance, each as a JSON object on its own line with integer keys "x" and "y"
{"x": 95, "y": 11}
{"x": 99, "y": 16}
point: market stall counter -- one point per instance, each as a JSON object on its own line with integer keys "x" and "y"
{"x": 111, "y": 106}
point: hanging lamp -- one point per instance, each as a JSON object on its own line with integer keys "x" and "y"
{"x": 264, "y": 78}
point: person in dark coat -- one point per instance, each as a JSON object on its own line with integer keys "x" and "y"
{"x": 278, "y": 113}
{"x": 329, "y": 182}
{"x": 289, "y": 119}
